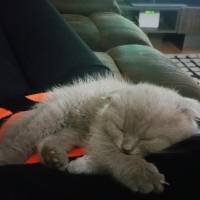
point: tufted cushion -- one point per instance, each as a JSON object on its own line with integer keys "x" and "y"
{"x": 142, "y": 63}
{"x": 85, "y": 28}
{"x": 102, "y": 31}
{"x": 116, "y": 30}
{"x": 107, "y": 60}
{"x": 86, "y": 6}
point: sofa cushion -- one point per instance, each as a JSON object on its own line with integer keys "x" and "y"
{"x": 102, "y": 31}
{"x": 85, "y": 7}
{"x": 107, "y": 60}
{"x": 143, "y": 63}
{"x": 117, "y": 30}
{"x": 85, "y": 28}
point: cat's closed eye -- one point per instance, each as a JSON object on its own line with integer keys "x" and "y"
{"x": 133, "y": 146}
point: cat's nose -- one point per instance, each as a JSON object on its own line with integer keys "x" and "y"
{"x": 126, "y": 151}
{"x": 127, "y": 147}
{"x": 128, "y": 144}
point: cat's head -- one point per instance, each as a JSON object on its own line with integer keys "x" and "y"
{"x": 145, "y": 118}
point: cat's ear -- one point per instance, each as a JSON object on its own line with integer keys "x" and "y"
{"x": 192, "y": 108}
{"x": 109, "y": 99}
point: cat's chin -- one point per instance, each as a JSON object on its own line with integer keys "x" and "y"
{"x": 138, "y": 152}
{"x": 135, "y": 154}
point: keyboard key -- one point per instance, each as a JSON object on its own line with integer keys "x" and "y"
{"x": 195, "y": 69}
{"x": 198, "y": 73}
{"x": 180, "y": 64}
{"x": 185, "y": 60}
{"x": 190, "y": 64}
{"x": 174, "y": 60}
{"x": 181, "y": 56}
{"x": 192, "y": 56}
{"x": 198, "y": 64}
{"x": 185, "y": 69}
{"x": 196, "y": 60}
{"x": 170, "y": 56}
{"x": 188, "y": 74}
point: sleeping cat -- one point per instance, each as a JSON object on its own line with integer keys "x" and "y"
{"x": 118, "y": 123}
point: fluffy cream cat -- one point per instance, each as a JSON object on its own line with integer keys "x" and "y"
{"x": 116, "y": 121}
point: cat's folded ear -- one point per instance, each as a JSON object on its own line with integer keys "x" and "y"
{"x": 109, "y": 99}
{"x": 111, "y": 96}
{"x": 192, "y": 108}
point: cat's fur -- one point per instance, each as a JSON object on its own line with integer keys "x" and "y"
{"x": 116, "y": 121}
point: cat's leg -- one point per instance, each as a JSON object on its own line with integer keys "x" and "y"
{"x": 15, "y": 144}
{"x": 131, "y": 170}
{"x": 137, "y": 174}
{"x": 53, "y": 148}
{"x": 20, "y": 138}
{"x": 134, "y": 172}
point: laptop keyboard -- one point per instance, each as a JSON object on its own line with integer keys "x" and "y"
{"x": 188, "y": 63}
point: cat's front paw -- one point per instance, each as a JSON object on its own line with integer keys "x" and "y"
{"x": 151, "y": 180}
{"x": 147, "y": 179}
{"x": 53, "y": 158}
{"x": 80, "y": 166}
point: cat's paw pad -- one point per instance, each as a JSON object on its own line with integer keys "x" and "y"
{"x": 150, "y": 180}
{"x": 155, "y": 183}
{"x": 53, "y": 158}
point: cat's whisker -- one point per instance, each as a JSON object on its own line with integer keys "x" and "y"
{"x": 164, "y": 182}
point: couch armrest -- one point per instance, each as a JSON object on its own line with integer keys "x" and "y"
{"x": 86, "y": 7}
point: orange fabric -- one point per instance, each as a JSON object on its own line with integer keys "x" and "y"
{"x": 37, "y": 97}
{"x": 9, "y": 121}
{"x": 4, "y": 113}
{"x": 77, "y": 152}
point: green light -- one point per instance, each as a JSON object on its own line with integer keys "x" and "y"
{"x": 149, "y": 12}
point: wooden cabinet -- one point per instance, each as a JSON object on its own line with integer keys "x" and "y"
{"x": 173, "y": 19}
{"x": 189, "y": 20}
{"x": 178, "y": 24}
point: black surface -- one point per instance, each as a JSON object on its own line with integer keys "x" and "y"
{"x": 38, "y": 182}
